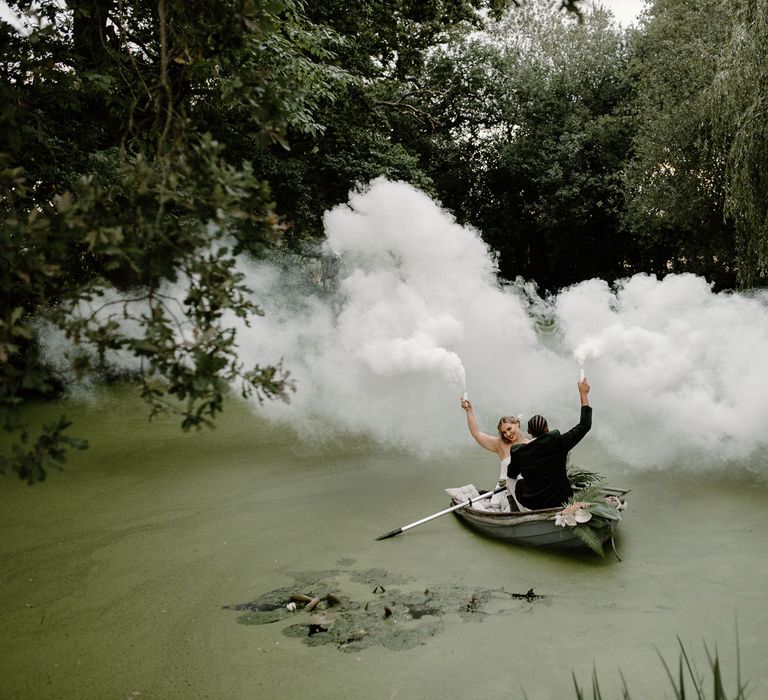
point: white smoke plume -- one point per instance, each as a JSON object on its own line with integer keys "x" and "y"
{"x": 410, "y": 313}
{"x": 417, "y": 304}
{"x": 675, "y": 369}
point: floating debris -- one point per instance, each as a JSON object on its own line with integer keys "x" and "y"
{"x": 378, "y": 576}
{"x": 257, "y": 606}
{"x": 354, "y": 636}
{"x": 419, "y": 610}
{"x": 322, "y": 620}
{"x": 529, "y": 596}
{"x": 338, "y": 613}
{"x": 474, "y": 609}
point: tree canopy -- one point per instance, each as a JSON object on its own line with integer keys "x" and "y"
{"x": 115, "y": 187}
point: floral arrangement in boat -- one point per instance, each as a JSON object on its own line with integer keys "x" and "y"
{"x": 591, "y": 513}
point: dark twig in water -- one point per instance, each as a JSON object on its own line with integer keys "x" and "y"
{"x": 529, "y": 596}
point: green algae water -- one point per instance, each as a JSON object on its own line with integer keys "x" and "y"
{"x": 162, "y": 565}
{"x": 121, "y": 575}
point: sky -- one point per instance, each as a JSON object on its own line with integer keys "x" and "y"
{"x": 5, "y": 13}
{"x": 625, "y": 11}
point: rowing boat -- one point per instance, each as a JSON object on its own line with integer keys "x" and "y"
{"x": 535, "y": 528}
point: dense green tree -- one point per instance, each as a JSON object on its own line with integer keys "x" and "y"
{"x": 140, "y": 139}
{"x": 391, "y": 39}
{"x": 113, "y": 188}
{"x": 534, "y": 141}
{"x": 374, "y": 126}
{"x": 739, "y": 101}
{"x": 676, "y": 181}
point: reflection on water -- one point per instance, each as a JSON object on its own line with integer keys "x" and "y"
{"x": 117, "y": 573}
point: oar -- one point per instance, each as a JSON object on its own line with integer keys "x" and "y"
{"x": 463, "y": 504}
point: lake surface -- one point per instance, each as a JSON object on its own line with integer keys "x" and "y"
{"x": 116, "y": 573}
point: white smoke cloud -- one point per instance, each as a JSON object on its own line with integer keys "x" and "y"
{"x": 679, "y": 368}
{"x": 60, "y": 352}
{"x": 674, "y": 368}
{"x": 417, "y": 306}
{"x": 415, "y": 314}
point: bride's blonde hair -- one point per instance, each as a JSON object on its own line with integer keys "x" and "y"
{"x": 507, "y": 419}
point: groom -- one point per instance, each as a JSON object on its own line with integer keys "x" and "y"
{"x": 542, "y": 461}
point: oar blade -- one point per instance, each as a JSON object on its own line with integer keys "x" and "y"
{"x": 390, "y": 534}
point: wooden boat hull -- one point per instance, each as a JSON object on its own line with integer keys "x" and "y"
{"x": 537, "y": 530}
{"x": 532, "y": 529}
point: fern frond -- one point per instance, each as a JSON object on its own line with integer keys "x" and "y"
{"x": 578, "y": 476}
{"x": 591, "y": 494}
{"x": 590, "y": 537}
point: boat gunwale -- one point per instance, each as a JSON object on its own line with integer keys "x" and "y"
{"x": 541, "y": 515}
{"x": 515, "y": 517}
